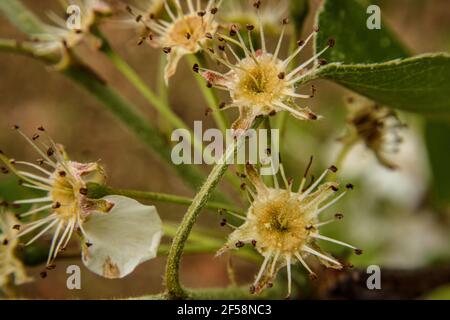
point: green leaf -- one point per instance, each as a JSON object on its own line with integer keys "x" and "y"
{"x": 438, "y": 144}
{"x": 346, "y": 22}
{"x": 420, "y": 84}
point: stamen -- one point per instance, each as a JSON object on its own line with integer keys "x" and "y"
{"x": 261, "y": 270}
{"x": 320, "y": 255}
{"x": 288, "y": 266}
{"x": 318, "y": 236}
{"x": 329, "y": 204}
{"x": 305, "y": 265}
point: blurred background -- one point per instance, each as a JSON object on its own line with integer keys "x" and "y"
{"x": 389, "y": 214}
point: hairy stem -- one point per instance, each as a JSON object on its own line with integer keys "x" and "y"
{"x": 172, "y": 280}
{"x": 97, "y": 191}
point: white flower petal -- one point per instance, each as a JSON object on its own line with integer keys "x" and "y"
{"x": 118, "y": 241}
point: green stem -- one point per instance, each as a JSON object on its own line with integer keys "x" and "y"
{"x": 209, "y": 96}
{"x": 172, "y": 280}
{"x": 132, "y": 118}
{"x": 97, "y": 191}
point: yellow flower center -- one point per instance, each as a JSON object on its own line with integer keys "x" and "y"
{"x": 259, "y": 83}
{"x": 280, "y": 223}
{"x": 188, "y": 31}
{"x": 65, "y": 193}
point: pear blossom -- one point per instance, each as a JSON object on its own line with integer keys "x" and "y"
{"x": 261, "y": 83}
{"x": 186, "y": 33}
{"x": 284, "y": 225}
{"x": 116, "y": 233}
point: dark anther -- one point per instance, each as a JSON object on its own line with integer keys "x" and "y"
{"x": 333, "y": 169}
{"x": 322, "y": 62}
{"x": 209, "y": 35}
{"x": 339, "y": 216}
{"x": 211, "y": 50}
{"x": 50, "y": 152}
{"x": 221, "y": 47}
{"x": 209, "y": 85}
{"x": 141, "y": 41}
{"x": 5, "y": 242}
{"x": 270, "y": 285}
{"x": 223, "y": 223}
{"x": 88, "y": 244}
{"x": 43, "y": 274}
{"x": 250, "y": 27}
{"x": 129, "y": 10}
{"x": 312, "y": 116}
{"x": 257, "y": 4}
{"x": 300, "y": 43}
{"x": 188, "y": 35}
{"x": 316, "y": 29}
{"x": 358, "y": 252}
{"x": 84, "y": 191}
{"x": 35, "y": 137}
{"x": 16, "y": 127}
{"x": 201, "y": 13}
{"x": 331, "y": 42}
{"x": 285, "y": 21}
{"x": 214, "y": 10}
{"x": 138, "y": 18}
{"x": 208, "y": 112}
{"x": 222, "y": 105}
{"x": 167, "y": 50}
{"x": 196, "y": 68}
{"x": 272, "y": 113}
{"x": 349, "y": 186}
{"x": 254, "y": 243}
{"x": 3, "y": 203}
{"x": 233, "y": 30}
{"x": 62, "y": 173}
{"x": 243, "y": 186}
{"x": 152, "y": 16}
{"x": 268, "y": 151}
{"x": 239, "y": 244}
{"x": 334, "y": 188}
{"x": 16, "y": 227}
{"x": 220, "y": 39}
{"x": 56, "y": 205}
{"x": 313, "y": 276}
{"x": 252, "y": 289}
{"x": 313, "y": 91}
{"x": 309, "y": 227}
{"x": 281, "y": 75}
{"x": 4, "y": 170}
{"x": 40, "y": 161}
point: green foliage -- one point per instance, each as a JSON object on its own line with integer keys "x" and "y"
{"x": 345, "y": 21}
{"x": 419, "y": 84}
{"x": 372, "y": 63}
{"x": 437, "y": 134}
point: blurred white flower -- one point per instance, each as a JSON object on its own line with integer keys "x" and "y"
{"x": 58, "y": 37}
